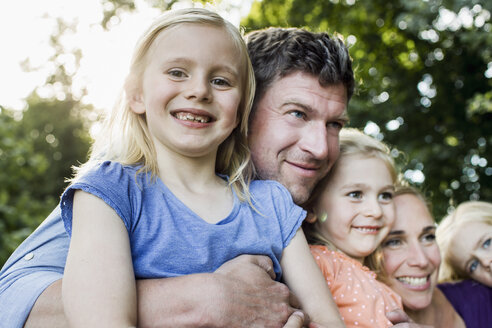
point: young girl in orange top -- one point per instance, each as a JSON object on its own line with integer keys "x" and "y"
{"x": 352, "y": 211}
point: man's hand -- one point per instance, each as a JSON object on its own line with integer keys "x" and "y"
{"x": 401, "y": 320}
{"x": 253, "y": 298}
{"x": 241, "y": 293}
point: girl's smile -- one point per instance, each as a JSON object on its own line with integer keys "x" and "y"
{"x": 359, "y": 206}
{"x": 190, "y": 90}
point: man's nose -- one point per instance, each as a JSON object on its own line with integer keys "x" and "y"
{"x": 315, "y": 141}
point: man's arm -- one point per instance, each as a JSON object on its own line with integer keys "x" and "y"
{"x": 241, "y": 293}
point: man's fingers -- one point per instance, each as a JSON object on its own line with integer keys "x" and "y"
{"x": 296, "y": 320}
{"x": 398, "y": 316}
{"x": 266, "y": 264}
{"x": 294, "y": 301}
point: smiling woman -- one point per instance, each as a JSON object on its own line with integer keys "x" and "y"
{"x": 408, "y": 262}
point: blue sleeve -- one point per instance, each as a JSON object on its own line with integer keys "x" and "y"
{"x": 290, "y": 216}
{"x": 112, "y": 182}
{"x": 33, "y": 266}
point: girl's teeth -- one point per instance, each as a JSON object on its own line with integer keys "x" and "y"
{"x": 414, "y": 281}
{"x": 367, "y": 230}
{"x": 191, "y": 117}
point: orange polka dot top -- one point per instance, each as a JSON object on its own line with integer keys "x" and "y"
{"x": 361, "y": 299}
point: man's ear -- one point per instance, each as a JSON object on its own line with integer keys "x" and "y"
{"x": 133, "y": 94}
{"x": 311, "y": 217}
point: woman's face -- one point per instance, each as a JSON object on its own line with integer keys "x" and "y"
{"x": 411, "y": 255}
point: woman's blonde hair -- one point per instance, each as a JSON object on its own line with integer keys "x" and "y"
{"x": 375, "y": 261}
{"x": 352, "y": 142}
{"x": 125, "y": 137}
{"x": 471, "y": 211}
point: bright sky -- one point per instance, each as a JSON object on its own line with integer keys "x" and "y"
{"x": 25, "y": 28}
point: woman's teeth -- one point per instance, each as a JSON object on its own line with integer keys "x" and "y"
{"x": 413, "y": 281}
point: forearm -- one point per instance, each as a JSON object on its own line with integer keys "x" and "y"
{"x": 186, "y": 301}
{"x": 240, "y": 294}
{"x": 302, "y": 275}
{"x": 171, "y": 302}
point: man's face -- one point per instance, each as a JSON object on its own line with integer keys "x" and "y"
{"x": 294, "y": 132}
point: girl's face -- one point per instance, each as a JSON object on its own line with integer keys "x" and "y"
{"x": 358, "y": 201}
{"x": 410, "y": 252}
{"x": 471, "y": 250}
{"x": 190, "y": 90}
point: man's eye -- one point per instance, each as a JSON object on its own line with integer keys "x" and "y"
{"x": 297, "y": 113}
{"x": 335, "y": 125}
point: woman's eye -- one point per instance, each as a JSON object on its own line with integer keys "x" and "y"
{"x": 355, "y": 194}
{"x": 392, "y": 243}
{"x": 429, "y": 238}
{"x": 221, "y": 82}
{"x": 473, "y": 266}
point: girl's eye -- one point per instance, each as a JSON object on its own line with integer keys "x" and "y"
{"x": 486, "y": 244}
{"x": 221, "y": 82}
{"x": 176, "y": 73}
{"x": 386, "y": 196}
{"x": 355, "y": 194}
{"x": 473, "y": 266}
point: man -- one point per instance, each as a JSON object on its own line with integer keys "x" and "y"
{"x": 304, "y": 83}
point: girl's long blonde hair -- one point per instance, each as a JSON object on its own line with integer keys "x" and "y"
{"x": 125, "y": 137}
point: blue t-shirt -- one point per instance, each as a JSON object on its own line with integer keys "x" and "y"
{"x": 40, "y": 259}
{"x": 167, "y": 239}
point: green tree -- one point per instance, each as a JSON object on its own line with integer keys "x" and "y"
{"x": 37, "y": 149}
{"x": 424, "y": 70}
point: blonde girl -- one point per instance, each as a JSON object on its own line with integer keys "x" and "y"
{"x": 464, "y": 237}
{"x": 352, "y": 211}
{"x": 167, "y": 189}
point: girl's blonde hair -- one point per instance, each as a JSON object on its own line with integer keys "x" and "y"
{"x": 375, "y": 261}
{"x": 125, "y": 137}
{"x": 353, "y": 142}
{"x": 471, "y": 211}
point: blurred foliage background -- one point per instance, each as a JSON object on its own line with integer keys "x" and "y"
{"x": 424, "y": 72}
